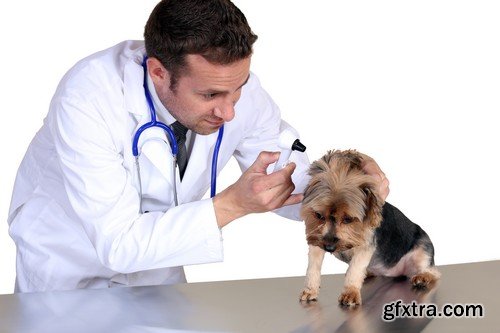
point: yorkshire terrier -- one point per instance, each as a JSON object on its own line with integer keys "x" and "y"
{"x": 345, "y": 215}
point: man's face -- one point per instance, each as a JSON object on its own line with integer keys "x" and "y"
{"x": 204, "y": 97}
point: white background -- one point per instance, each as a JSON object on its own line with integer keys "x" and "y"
{"x": 414, "y": 84}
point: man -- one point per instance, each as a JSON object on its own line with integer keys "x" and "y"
{"x": 85, "y": 215}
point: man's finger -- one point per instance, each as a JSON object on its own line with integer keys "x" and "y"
{"x": 279, "y": 177}
{"x": 384, "y": 189}
{"x": 293, "y": 199}
{"x": 264, "y": 159}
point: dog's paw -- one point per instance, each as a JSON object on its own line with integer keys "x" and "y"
{"x": 309, "y": 294}
{"x": 423, "y": 280}
{"x": 350, "y": 297}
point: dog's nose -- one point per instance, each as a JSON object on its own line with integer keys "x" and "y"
{"x": 330, "y": 247}
{"x": 330, "y": 243}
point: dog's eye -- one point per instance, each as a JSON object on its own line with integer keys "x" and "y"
{"x": 347, "y": 219}
{"x": 319, "y": 216}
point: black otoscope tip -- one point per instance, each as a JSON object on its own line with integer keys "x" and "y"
{"x": 297, "y": 145}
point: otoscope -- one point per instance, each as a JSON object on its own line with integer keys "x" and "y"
{"x": 288, "y": 141}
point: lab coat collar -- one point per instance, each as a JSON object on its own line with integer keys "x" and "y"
{"x": 133, "y": 90}
{"x": 135, "y": 101}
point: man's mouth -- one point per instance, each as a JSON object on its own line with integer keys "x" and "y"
{"x": 215, "y": 123}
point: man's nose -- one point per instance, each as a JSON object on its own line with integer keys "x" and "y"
{"x": 225, "y": 111}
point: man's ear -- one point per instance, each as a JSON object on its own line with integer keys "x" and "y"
{"x": 158, "y": 73}
{"x": 374, "y": 205}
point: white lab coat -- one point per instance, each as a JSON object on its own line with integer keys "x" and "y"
{"x": 74, "y": 214}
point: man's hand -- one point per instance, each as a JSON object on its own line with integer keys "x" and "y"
{"x": 371, "y": 168}
{"x": 256, "y": 191}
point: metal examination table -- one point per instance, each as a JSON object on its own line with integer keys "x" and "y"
{"x": 263, "y": 305}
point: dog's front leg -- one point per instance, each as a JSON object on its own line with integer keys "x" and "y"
{"x": 355, "y": 275}
{"x": 313, "y": 275}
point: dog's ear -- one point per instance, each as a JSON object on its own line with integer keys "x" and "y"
{"x": 374, "y": 205}
{"x": 313, "y": 236}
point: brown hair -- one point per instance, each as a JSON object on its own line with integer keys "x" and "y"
{"x": 215, "y": 29}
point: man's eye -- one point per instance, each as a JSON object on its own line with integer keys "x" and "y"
{"x": 209, "y": 96}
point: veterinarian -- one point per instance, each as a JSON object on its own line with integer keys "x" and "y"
{"x": 100, "y": 201}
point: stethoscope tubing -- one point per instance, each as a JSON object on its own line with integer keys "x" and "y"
{"x": 173, "y": 142}
{"x": 215, "y": 157}
{"x": 154, "y": 120}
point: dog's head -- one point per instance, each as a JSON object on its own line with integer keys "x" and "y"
{"x": 341, "y": 205}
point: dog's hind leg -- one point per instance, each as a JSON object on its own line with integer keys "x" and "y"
{"x": 313, "y": 275}
{"x": 422, "y": 273}
{"x": 426, "y": 278}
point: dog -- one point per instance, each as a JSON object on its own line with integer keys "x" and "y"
{"x": 344, "y": 215}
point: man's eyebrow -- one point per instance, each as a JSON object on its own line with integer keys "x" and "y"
{"x": 215, "y": 91}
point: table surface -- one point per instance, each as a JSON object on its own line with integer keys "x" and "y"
{"x": 262, "y": 305}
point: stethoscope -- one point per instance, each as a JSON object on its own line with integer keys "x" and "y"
{"x": 172, "y": 142}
